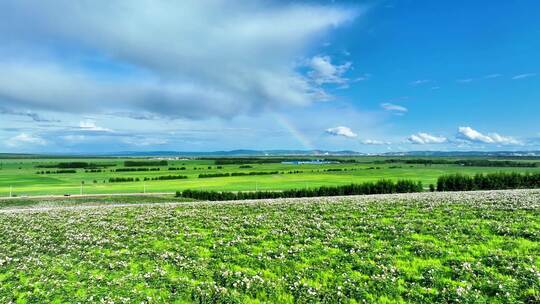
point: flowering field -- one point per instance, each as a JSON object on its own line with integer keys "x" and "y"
{"x": 476, "y": 247}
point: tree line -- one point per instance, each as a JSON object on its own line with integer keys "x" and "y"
{"x": 166, "y": 177}
{"x": 136, "y": 169}
{"x": 76, "y": 165}
{"x": 211, "y": 175}
{"x": 463, "y": 162}
{"x": 490, "y": 181}
{"x": 145, "y": 163}
{"x": 379, "y": 187}
{"x": 57, "y": 171}
{"x": 123, "y": 179}
{"x": 247, "y": 160}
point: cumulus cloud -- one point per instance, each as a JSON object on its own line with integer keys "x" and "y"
{"x": 422, "y": 138}
{"x": 188, "y": 58}
{"x": 472, "y": 135}
{"x": 394, "y": 108}
{"x": 324, "y": 72}
{"x": 342, "y": 131}
{"x": 90, "y": 125}
{"x": 25, "y": 139}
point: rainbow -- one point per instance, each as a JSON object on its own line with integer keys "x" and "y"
{"x": 291, "y": 128}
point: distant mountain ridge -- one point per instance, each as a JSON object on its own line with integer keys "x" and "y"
{"x": 260, "y": 153}
{"x": 263, "y": 153}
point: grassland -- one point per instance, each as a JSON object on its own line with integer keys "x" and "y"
{"x": 20, "y": 175}
{"x": 475, "y": 247}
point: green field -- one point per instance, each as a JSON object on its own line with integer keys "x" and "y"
{"x": 475, "y": 247}
{"x": 20, "y": 176}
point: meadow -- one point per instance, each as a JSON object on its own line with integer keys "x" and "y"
{"x": 20, "y": 175}
{"x": 443, "y": 247}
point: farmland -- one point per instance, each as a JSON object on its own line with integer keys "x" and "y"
{"x": 460, "y": 247}
{"x": 37, "y": 176}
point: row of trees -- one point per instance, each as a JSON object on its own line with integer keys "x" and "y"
{"x": 249, "y": 160}
{"x": 145, "y": 163}
{"x": 56, "y": 172}
{"x": 254, "y": 173}
{"x": 491, "y": 181}
{"x": 463, "y": 162}
{"x": 211, "y": 175}
{"x": 123, "y": 179}
{"x": 379, "y": 187}
{"x": 75, "y": 165}
{"x": 167, "y": 177}
{"x": 136, "y": 169}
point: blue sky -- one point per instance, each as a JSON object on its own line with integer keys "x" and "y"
{"x": 370, "y": 76}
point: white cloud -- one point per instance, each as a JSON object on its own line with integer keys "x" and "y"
{"x": 364, "y": 77}
{"x": 466, "y": 80}
{"x": 341, "y": 131}
{"x": 523, "y": 76}
{"x": 323, "y": 71}
{"x": 420, "y": 82}
{"x": 374, "y": 142}
{"x": 90, "y": 125}
{"x": 426, "y": 138}
{"x": 470, "y": 134}
{"x": 191, "y": 58}
{"x": 394, "y": 108}
{"x": 25, "y": 139}
{"x": 491, "y": 76}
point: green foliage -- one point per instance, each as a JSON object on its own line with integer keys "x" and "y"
{"x": 463, "y": 162}
{"x": 237, "y": 174}
{"x": 176, "y": 168}
{"x": 415, "y": 248}
{"x": 492, "y": 181}
{"x": 75, "y": 165}
{"x": 136, "y": 169}
{"x": 145, "y": 163}
{"x": 57, "y": 171}
{"x": 123, "y": 179}
{"x": 23, "y": 177}
{"x": 250, "y": 160}
{"x": 166, "y": 177}
{"x": 379, "y": 187}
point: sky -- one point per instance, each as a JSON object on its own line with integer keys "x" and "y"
{"x": 81, "y": 76}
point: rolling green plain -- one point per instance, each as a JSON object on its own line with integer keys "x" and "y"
{"x": 20, "y": 175}
{"x": 123, "y": 247}
{"x": 443, "y": 247}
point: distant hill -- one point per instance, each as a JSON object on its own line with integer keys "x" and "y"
{"x": 262, "y": 153}
{"x": 466, "y": 153}
{"x": 269, "y": 153}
